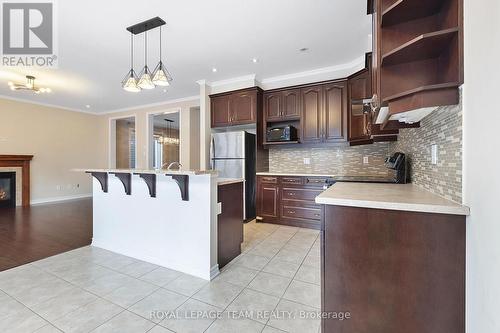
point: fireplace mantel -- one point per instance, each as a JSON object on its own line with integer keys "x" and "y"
{"x": 22, "y": 161}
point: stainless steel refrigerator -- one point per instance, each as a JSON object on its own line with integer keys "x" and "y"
{"x": 232, "y": 154}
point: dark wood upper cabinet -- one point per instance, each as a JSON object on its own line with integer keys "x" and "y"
{"x": 282, "y": 105}
{"x": 335, "y": 115}
{"x": 291, "y": 104}
{"x": 273, "y": 106}
{"x": 235, "y": 108}
{"x": 243, "y": 107}
{"x": 220, "y": 110}
{"x": 324, "y": 113}
{"x": 312, "y": 109}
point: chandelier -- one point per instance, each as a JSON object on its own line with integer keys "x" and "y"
{"x": 146, "y": 79}
{"x": 167, "y": 138}
{"x": 29, "y": 85}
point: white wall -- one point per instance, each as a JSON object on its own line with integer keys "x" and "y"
{"x": 60, "y": 141}
{"x": 142, "y": 135}
{"x": 482, "y": 163}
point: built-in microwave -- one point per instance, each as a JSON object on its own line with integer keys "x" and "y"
{"x": 281, "y": 134}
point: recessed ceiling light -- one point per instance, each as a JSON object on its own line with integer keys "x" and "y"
{"x": 87, "y": 106}
{"x": 255, "y": 60}
{"x": 214, "y": 70}
{"x": 304, "y": 49}
{"x": 164, "y": 90}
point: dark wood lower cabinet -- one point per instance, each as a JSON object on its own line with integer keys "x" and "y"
{"x": 393, "y": 271}
{"x": 230, "y": 222}
{"x": 289, "y": 200}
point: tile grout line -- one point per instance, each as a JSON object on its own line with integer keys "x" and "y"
{"x": 281, "y": 298}
{"x": 162, "y": 287}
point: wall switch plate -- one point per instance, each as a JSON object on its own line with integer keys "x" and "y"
{"x": 434, "y": 154}
{"x": 307, "y": 160}
{"x": 366, "y": 160}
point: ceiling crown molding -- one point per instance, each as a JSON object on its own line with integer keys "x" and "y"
{"x": 315, "y": 75}
{"x": 235, "y": 83}
{"x": 152, "y": 105}
{"x": 54, "y": 106}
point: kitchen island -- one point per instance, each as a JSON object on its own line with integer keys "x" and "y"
{"x": 393, "y": 256}
{"x": 165, "y": 217}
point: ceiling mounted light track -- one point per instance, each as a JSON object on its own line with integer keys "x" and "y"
{"x": 146, "y": 80}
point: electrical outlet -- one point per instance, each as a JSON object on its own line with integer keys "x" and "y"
{"x": 307, "y": 160}
{"x": 219, "y": 208}
{"x": 365, "y": 160}
{"x": 58, "y": 187}
{"x": 434, "y": 154}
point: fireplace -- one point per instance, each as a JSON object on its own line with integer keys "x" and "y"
{"x": 7, "y": 189}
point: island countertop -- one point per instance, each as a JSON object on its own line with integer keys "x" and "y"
{"x": 402, "y": 197}
{"x": 228, "y": 181}
{"x": 155, "y": 171}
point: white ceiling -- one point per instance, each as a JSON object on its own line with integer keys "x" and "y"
{"x": 199, "y": 35}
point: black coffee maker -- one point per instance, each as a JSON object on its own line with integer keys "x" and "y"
{"x": 399, "y": 163}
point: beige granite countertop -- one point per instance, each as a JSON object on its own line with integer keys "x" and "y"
{"x": 291, "y": 174}
{"x": 155, "y": 171}
{"x": 404, "y": 197}
{"x": 227, "y": 181}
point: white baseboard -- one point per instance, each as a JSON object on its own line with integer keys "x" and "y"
{"x": 59, "y": 199}
{"x": 214, "y": 271}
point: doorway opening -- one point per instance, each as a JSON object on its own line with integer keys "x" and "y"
{"x": 164, "y": 139}
{"x": 123, "y": 143}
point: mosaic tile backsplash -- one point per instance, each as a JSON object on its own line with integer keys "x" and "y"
{"x": 442, "y": 127}
{"x": 339, "y": 161}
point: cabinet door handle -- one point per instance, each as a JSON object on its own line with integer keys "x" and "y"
{"x": 317, "y": 215}
{"x": 291, "y": 212}
{"x": 291, "y": 194}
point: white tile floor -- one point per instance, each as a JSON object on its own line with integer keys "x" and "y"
{"x": 93, "y": 290}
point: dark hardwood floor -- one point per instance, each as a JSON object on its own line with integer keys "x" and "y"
{"x": 31, "y": 233}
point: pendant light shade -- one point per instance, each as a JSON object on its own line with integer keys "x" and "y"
{"x": 145, "y": 80}
{"x": 145, "y": 77}
{"x": 129, "y": 83}
{"x": 161, "y": 76}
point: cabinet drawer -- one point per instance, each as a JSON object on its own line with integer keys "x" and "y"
{"x": 315, "y": 181}
{"x": 292, "y": 180}
{"x": 299, "y": 194}
{"x": 268, "y": 180}
{"x": 301, "y": 213}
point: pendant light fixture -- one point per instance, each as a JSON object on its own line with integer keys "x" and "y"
{"x": 161, "y": 76}
{"x": 129, "y": 83}
{"x": 145, "y": 81}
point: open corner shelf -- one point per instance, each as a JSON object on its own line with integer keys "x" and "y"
{"x": 422, "y": 89}
{"x": 425, "y": 46}
{"x": 406, "y": 10}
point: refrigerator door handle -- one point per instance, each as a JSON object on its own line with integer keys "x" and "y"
{"x": 212, "y": 153}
